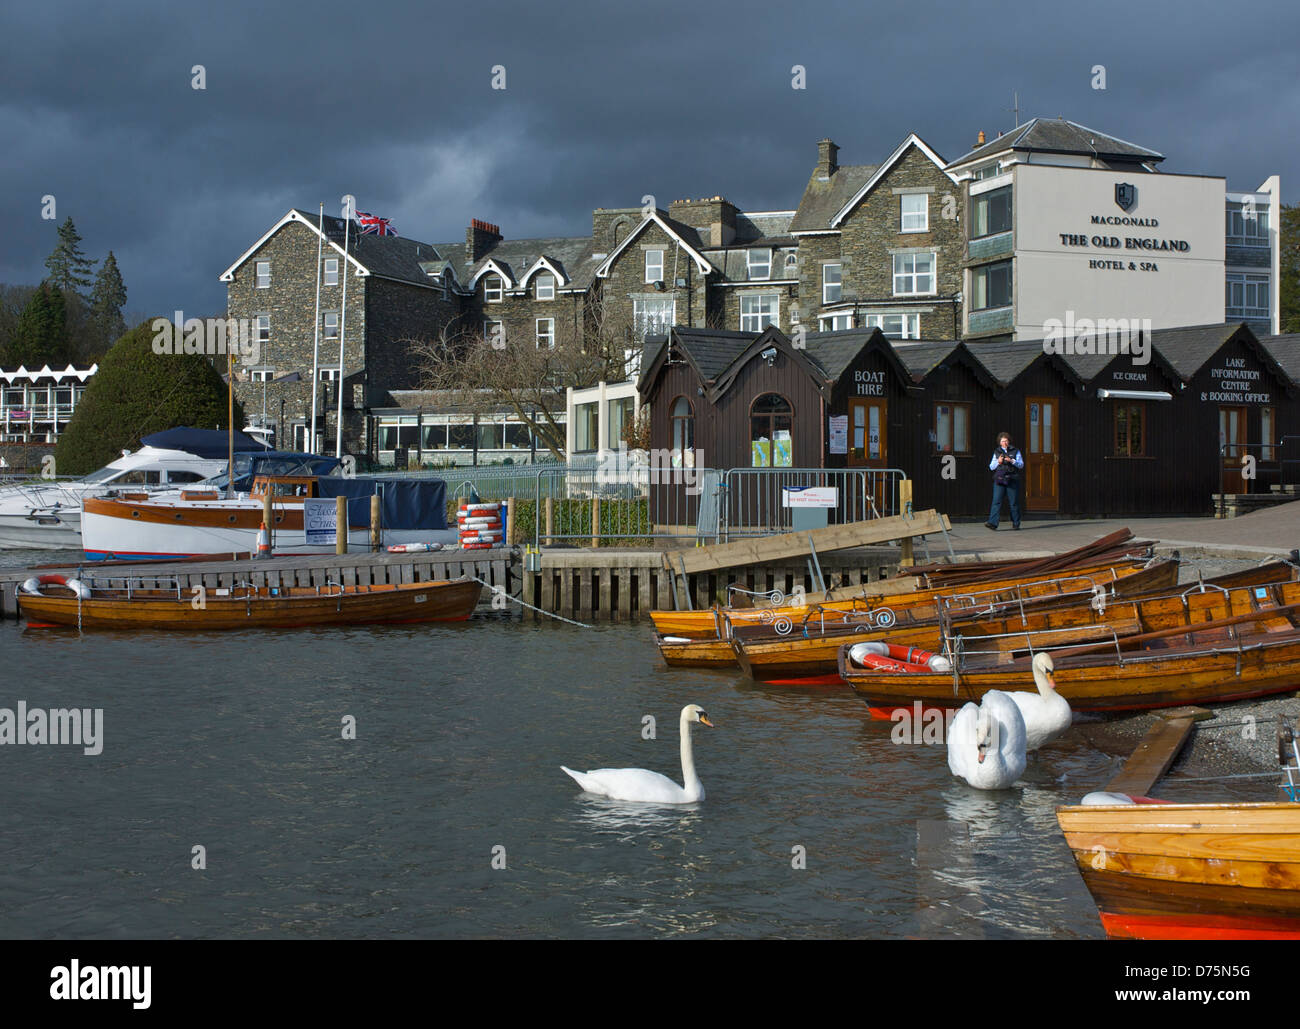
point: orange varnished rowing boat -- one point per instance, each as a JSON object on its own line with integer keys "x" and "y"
{"x": 1248, "y": 655}
{"x": 1190, "y": 871}
{"x": 1011, "y": 627}
{"x": 77, "y": 604}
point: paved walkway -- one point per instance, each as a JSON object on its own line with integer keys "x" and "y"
{"x": 1273, "y": 532}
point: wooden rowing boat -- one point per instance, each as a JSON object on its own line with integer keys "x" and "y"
{"x": 1048, "y": 623}
{"x": 1233, "y": 658}
{"x": 1190, "y": 871}
{"x": 915, "y": 624}
{"x": 704, "y": 624}
{"x": 79, "y": 604}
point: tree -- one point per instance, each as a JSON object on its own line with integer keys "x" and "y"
{"x": 69, "y": 267}
{"x": 40, "y": 336}
{"x": 12, "y": 301}
{"x": 1289, "y": 268}
{"x": 106, "y": 302}
{"x": 136, "y": 392}
{"x": 479, "y": 377}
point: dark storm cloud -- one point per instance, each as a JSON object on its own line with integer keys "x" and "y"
{"x": 605, "y": 102}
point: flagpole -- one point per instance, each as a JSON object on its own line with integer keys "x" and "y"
{"x": 315, "y": 343}
{"x": 343, "y": 322}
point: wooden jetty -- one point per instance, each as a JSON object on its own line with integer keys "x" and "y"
{"x": 588, "y": 585}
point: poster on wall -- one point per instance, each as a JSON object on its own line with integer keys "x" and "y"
{"x": 783, "y": 449}
{"x": 838, "y": 436}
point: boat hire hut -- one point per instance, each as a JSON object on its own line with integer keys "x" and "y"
{"x": 1159, "y": 426}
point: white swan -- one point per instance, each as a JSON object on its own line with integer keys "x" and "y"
{"x": 638, "y": 784}
{"x": 1047, "y": 714}
{"x": 986, "y": 744}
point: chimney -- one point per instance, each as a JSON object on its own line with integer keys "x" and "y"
{"x": 980, "y": 141}
{"x": 480, "y": 237}
{"x": 827, "y": 159}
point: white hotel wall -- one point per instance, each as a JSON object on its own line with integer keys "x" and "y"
{"x": 1052, "y": 278}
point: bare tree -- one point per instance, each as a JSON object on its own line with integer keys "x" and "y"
{"x": 481, "y": 372}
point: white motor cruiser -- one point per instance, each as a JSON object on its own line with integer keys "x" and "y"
{"x": 41, "y": 514}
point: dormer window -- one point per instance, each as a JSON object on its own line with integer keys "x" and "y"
{"x": 654, "y": 266}
{"x": 791, "y": 263}
{"x": 546, "y": 287}
{"x": 760, "y": 264}
{"x": 493, "y": 288}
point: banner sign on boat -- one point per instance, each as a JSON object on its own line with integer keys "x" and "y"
{"x": 319, "y": 521}
{"x": 809, "y": 496}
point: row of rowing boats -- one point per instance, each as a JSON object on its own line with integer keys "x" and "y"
{"x": 1122, "y": 635}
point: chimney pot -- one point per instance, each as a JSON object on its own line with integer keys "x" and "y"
{"x": 981, "y": 138}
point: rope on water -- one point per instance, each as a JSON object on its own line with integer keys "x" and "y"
{"x": 498, "y": 590}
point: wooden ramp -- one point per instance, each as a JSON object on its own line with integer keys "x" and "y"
{"x": 1157, "y": 751}
{"x": 801, "y": 544}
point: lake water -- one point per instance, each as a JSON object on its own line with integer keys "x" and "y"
{"x": 233, "y": 742}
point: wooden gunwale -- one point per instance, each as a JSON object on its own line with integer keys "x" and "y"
{"x": 261, "y": 607}
{"x": 1130, "y": 673}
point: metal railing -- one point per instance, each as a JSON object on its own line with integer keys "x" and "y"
{"x": 753, "y": 502}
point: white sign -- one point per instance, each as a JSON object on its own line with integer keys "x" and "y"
{"x": 319, "y": 521}
{"x": 809, "y": 496}
{"x": 838, "y": 437}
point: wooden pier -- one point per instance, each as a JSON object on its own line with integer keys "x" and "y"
{"x": 587, "y": 585}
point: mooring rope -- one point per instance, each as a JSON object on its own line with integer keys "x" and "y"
{"x": 500, "y": 590}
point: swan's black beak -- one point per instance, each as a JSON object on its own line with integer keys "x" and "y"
{"x": 704, "y": 720}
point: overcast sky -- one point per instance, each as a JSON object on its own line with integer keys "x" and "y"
{"x": 604, "y": 102}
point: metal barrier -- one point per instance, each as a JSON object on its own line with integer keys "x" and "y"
{"x": 752, "y": 498}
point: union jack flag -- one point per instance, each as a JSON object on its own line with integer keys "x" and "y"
{"x": 373, "y": 224}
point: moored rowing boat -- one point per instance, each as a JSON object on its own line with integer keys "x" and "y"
{"x": 85, "y": 605}
{"x": 1190, "y": 871}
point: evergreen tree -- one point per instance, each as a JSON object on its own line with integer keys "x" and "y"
{"x": 69, "y": 267}
{"x": 41, "y": 336}
{"x": 1289, "y": 269}
{"x": 136, "y": 392}
{"x": 106, "y": 302}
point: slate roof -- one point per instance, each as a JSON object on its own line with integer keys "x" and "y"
{"x": 923, "y": 358}
{"x": 761, "y": 229}
{"x": 1187, "y": 349}
{"x": 389, "y": 257}
{"x": 1061, "y": 136}
{"x": 571, "y": 255}
{"x": 1286, "y": 352}
{"x": 822, "y": 200}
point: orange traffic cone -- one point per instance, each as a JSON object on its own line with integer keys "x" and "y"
{"x": 263, "y": 542}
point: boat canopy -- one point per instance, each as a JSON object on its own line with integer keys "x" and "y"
{"x": 207, "y": 443}
{"x": 404, "y": 504}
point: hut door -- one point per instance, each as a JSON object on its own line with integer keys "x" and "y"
{"x": 1232, "y": 434}
{"x": 1042, "y": 454}
{"x": 869, "y": 445}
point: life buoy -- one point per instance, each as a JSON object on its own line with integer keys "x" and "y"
{"x": 34, "y": 584}
{"x": 887, "y": 657}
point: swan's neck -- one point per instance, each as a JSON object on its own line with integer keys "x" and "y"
{"x": 690, "y": 781}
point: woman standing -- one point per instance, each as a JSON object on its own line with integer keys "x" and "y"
{"x": 1005, "y": 466}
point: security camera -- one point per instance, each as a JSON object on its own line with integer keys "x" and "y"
{"x": 769, "y": 355}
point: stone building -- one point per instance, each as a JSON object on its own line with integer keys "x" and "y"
{"x": 992, "y": 246}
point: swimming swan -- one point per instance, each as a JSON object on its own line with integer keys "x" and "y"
{"x": 986, "y": 744}
{"x": 1046, "y": 713}
{"x": 638, "y": 784}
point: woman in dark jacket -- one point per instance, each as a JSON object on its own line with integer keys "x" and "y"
{"x": 1006, "y": 466}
